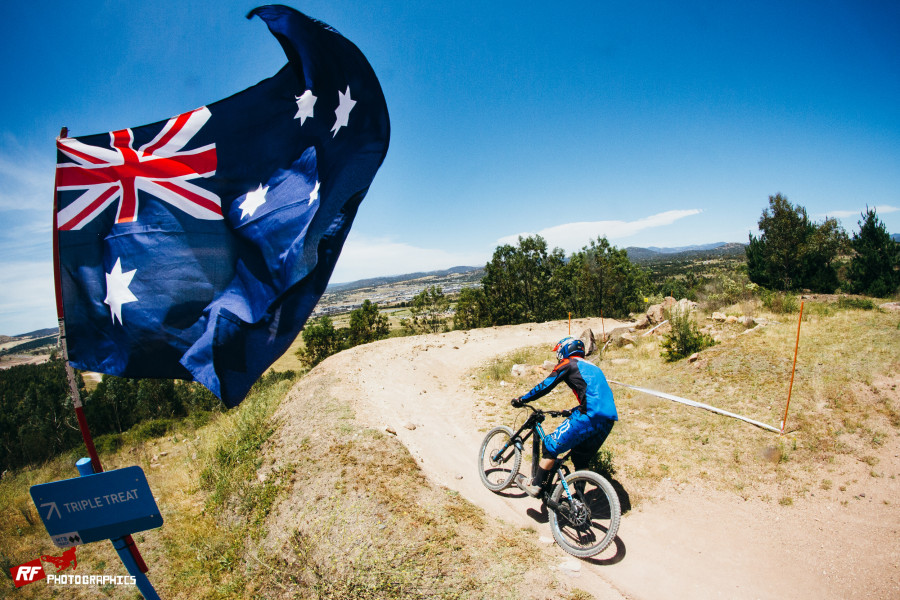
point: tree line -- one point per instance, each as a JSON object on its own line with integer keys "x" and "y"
{"x": 794, "y": 253}
{"x": 37, "y": 421}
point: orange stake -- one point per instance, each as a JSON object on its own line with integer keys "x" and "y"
{"x": 794, "y": 368}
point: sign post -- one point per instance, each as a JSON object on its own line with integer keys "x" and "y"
{"x": 98, "y": 506}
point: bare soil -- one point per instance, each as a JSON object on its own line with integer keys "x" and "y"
{"x": 683, "y": 540}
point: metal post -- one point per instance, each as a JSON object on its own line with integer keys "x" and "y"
{"x": 123, "y": 546}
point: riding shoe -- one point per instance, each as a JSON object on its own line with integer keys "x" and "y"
{"x": 532, "y": 490}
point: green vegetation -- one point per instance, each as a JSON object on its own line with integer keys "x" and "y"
{"x": 528, "y": 283}
{"x": 875, "y": 268}
{"x": 684, "y": 338}
{"x": 37, "y": 421}
{"x": 429, "y": 308}
{"x": 792, "y": 252}
{"x": 321, "y": 339}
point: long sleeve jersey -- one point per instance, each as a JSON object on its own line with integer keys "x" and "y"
{"x": 588, "y": 383}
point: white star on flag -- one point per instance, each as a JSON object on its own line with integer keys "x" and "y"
{"x": 314, "y": 194}
{"x": 117, "y": 292}
{"x": 342, "y": 112}
{"x": 305, "y": 104}
{"x": 254, "y": 200}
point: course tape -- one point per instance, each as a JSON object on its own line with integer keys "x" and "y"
{"x": 698, "y": 405}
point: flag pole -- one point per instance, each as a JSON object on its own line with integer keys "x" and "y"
{"x": 70, "y": 372}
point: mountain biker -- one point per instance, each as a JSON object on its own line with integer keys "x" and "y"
{"x": 585, "y": 430}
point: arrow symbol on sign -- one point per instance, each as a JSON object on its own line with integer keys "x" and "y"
{"x": 53, "y": 507}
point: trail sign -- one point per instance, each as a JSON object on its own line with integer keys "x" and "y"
{"x": 96, "y": 507}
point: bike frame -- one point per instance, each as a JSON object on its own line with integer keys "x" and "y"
{"x": 534, "y": 424}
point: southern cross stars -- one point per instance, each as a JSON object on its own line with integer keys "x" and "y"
{"x": 305, "y": 104}
{"x": 254, "y": 200}
{"x": 342, "y": 112}
{"x": 117, "y": 292}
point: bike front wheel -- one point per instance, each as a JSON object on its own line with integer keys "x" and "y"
{"x": 588, "y": 514}
{"x": 499, "y": 459}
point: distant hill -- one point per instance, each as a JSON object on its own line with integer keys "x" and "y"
{"x": 896, "y": 237}
{"x": 371, "y": 282}
{"x": 654, "y": 253}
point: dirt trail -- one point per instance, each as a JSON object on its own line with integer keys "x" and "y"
{"x": 688, "y": 543}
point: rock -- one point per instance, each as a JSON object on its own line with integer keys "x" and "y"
{"x": 549, "y": 365}
{"x": 547, "y": 541}
{"x": 502, "y": 383}
{"x": 693, "y": 357}
{"x": 459, "y": 476}
{"x": 390, "y": 430}
{"x": 890, "y": 306}
{"x": 628, "y": 338}
{"x": 518, "y": 370}
{"x": 731, "y": 319}
{"x": 410, "y": 426}
{"x": 718, "y": 317}
{"x": 587, "y": 338}
{"x": 642, "y": 322}
{"x": 572, "y": 566}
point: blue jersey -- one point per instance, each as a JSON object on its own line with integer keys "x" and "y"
{"x": 595, "y": 398}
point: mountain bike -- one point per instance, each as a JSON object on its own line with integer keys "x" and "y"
{"x": 583, "y": 507}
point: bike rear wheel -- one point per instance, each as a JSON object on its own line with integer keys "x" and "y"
{"x": 497, "y": 470}
{"x": 585, "y": 524}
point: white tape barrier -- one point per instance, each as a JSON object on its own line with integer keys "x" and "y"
{"x": 697, "y": 405}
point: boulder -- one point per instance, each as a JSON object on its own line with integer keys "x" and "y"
{"x": 657, "y": 312}
{"x": 587, "y": 338}
{"x": 718, "y": 317}
{"x": 519, "y": 370}
{"x": 642, "y": 322}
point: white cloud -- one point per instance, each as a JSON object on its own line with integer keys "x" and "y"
{"x": 573, "y": 236}
{"x": 364, "y": 257}
{"x": 27, "y": 299}
{"x": 27, "y": 181}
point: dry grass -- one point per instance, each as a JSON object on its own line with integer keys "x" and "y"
{"x": 344, "y": 512}
{"x": 372, "y": 526}
{"x": 844, "y": 403}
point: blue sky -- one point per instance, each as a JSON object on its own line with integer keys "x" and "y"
{"x": 654, "y": 123}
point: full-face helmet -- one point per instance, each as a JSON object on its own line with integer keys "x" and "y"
{"x": 569, "y": 346}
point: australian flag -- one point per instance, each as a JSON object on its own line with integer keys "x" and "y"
{"x": 197, "y": 247}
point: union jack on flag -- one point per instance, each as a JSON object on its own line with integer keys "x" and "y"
{"x": 197, "y": 247}
{"x": 160, "y": 167}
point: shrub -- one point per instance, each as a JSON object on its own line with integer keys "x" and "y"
{"x": 848, "y": 302}
{"x": 685, "y": 338}
{"x": 602, "y": 463}
{"x": 780, "y": 303}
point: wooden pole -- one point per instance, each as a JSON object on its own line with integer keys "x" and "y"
{"x": 70, "y": 372}
{"x": 793, "y": 369}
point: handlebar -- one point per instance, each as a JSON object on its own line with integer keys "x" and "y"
{"x": 549, "y": 413}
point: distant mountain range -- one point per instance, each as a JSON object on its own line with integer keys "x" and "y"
{"x": 636, "y": 254}
{"x": 373, "y": 281}
{"x": 896, "y": 237}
